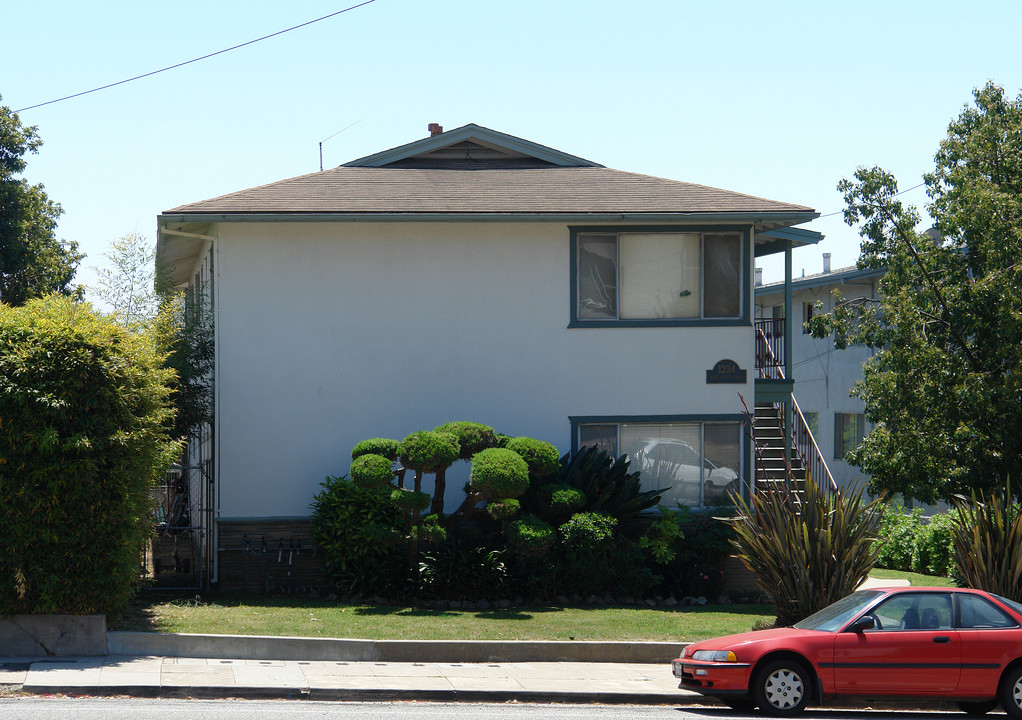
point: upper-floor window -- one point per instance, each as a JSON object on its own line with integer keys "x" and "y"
{"x": 807, "y": 316}
{"x": 660, "y": 277}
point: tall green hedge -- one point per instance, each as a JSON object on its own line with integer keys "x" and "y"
{"x": 84, "y": 414}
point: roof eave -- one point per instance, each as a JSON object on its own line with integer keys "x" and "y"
{"x": 763, "y": 222}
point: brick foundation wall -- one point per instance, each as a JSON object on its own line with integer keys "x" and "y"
{"x": 268, "y": 556}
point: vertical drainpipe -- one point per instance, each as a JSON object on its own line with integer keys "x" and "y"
{"x": 786, "y": 423}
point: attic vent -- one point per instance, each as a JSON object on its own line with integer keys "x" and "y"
{"x": 435, "y": 129}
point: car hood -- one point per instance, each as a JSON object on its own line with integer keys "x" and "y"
{"x": 730, "y": 642}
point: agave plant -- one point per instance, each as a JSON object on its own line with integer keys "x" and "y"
{"x": 987, "y": 539}
{"x": 809, "y": 546}
{"x": 608, "y": 487}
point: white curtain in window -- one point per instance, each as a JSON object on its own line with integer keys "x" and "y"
{"x": 660, "y": 275}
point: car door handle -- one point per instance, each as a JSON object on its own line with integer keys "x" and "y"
{"x": 942, "y": 639}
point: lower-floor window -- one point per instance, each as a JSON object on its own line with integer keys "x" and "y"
{"x": 697, "y": 463}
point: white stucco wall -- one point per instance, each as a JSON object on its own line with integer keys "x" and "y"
{"x": 330, "y": 333}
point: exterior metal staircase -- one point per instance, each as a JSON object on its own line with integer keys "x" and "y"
{"x": 774, "y": 466}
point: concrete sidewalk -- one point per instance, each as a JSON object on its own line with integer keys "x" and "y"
{"x": 540, "y": 682}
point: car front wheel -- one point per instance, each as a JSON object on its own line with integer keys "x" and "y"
{"x": 1010, "y": 693}
{"x": 782, "y": 687}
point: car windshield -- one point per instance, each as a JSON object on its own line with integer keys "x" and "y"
{"x": 833, "y": 617}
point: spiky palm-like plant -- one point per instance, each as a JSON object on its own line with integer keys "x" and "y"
{"x": 987, "y": 539}
{"x": 808, "y": 547}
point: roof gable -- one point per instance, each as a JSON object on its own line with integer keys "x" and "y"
{"x": 471, "y": 144}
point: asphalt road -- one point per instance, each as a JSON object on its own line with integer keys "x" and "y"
{"x": 60, "y": 708}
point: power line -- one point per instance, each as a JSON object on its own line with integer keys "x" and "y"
{"x": 900, "y": 192}
{"x": 204, "y": 57}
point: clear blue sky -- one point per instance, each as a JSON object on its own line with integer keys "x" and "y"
{"x": 779, "y": 100}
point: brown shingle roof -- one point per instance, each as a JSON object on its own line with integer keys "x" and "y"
{"x": 554, "y": 190}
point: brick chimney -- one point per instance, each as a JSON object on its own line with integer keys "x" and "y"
{"x": 435, "y": 129}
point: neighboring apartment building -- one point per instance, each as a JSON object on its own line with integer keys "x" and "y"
{"x": 824, "y": 375}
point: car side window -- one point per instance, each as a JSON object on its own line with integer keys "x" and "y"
{"x": 914, "y": 611}
{"x": 979, "y": 613}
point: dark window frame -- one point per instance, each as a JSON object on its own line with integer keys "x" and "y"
{"x": 744, "y": 450}
{"x": 745, "y": 295}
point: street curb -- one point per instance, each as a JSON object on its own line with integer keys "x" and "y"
{"x": 260, "y": 647}
{"x": 372, "y": 695}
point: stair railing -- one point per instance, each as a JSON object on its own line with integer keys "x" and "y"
{"x": 770, "y": 367}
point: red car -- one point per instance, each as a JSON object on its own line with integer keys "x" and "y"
{"x": 944, "y": 643}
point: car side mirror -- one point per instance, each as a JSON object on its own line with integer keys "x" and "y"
{"x": 866, "y": 622}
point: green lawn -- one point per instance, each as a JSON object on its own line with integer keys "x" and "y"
{"x": 288, "y": 616}
{"x": 914, "y": 578}
{"x": 247, "y": 615}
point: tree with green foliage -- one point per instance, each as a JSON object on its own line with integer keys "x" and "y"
{"x": 33, "y": 262}
{"x": 944, "y": 388}
{"x": 84, "y": 420}
{"x": 140, "y": 299}
{"x": 129, "y": 284}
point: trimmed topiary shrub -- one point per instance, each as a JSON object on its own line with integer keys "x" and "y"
{"x": 377, "y": 446}
{"x": 426, "y": 452}
{"x": 499, "y": 474}
{"x": 409, "y": 500}
{"x": 471, "y": 436}
{"x": 561, "y": 501}
{"x": 542, "y": 457}
{"x": 371, "y": 470}
{"x": 84, "y": 418}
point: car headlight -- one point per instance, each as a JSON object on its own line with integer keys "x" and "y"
{"x": 715, "y": 655}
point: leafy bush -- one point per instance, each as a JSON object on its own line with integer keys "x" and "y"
{"x": 585, "y": 532}
{"x": 808, "y": 547}
{"x": 897, "y": 539}
{"x": 588, "y": 549}
{"x": 933, "y": 552}
{"x": 503, "y": 509}
{"x": 357, "y": 532}
{"x": 499, "y": 474}
{"x": 84, "y": 418}
{"x": 529, "y": 536}
{"x": 459, "y": 571}
{"x": 988, "y": 544}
